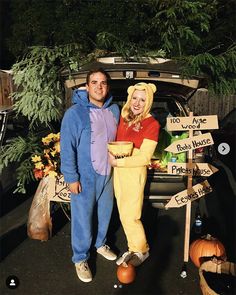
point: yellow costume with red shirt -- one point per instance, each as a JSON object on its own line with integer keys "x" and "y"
{"x": 131, "y": 172}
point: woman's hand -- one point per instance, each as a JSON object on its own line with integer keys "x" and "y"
{"x": 112, "y": 160}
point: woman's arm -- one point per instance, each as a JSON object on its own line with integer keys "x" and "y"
{"x": 142, "y": 158}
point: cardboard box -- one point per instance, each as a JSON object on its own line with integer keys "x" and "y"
{"x": 58, "y": 190}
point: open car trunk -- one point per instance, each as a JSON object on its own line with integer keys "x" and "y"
{"x": 173, "y": 92}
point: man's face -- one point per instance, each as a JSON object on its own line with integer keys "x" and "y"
{"x": 97, "y": 88}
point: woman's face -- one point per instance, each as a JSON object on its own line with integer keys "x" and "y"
{"x": 138, "y": 102}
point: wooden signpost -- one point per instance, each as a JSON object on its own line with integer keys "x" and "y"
{"x": 195, "y": 169}
{"x": 191, "y": 194}
{"x": 185, "y": 145}
{"x": 192, "y": 123}
{"x": 190, "y": 169}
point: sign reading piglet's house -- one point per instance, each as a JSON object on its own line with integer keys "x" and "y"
{"x": 194, "y": 169}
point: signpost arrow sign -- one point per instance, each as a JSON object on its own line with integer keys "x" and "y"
{"x": 192, "y": 143}
{"x": 195, "y": 169}
{"x": 192, "y": 123}
{"x": 189, "y": 195}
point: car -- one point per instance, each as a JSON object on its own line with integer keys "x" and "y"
{"x": 227, "y": 134}
{"x": 10, "y": 127}
{"x": 171, "y": 100}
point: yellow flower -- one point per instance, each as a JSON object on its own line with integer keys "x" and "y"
{"x": 57, "y": 136}
{"x": 36, "y": 158}
{"x": 46, "y": 141}
{"x": 39, "y": 165}
{"x": 52, "y": 173}
{"x": 57, "y": 147}
{"x": 53, "y": 153}
{"x": 49, "y": 163}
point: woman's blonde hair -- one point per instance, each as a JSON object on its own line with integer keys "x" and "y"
{"x": 126, "y": 112}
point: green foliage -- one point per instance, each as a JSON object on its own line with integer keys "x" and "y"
{"x": 181, "y": 24}
{"x": 220, "y": 70}
{"x": 24, "y": 175}
{"x": 40, "y": 94}
{"x": 21, "y": 150}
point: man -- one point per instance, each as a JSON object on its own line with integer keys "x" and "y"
{"x": 86, "y": 129}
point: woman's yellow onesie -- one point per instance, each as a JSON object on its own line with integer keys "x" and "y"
{"x": 131, "y": 173}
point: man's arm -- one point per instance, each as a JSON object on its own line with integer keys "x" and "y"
{"x": 69, "y": 137}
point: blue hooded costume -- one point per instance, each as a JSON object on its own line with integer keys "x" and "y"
{"x": 85, "y": 131}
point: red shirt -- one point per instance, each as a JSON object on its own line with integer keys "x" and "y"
{"x": 149, "y": 130}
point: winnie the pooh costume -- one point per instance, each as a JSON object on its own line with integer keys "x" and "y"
{"x": 130, "y": 173}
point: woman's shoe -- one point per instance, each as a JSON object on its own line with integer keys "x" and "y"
{"x": 138, "y": 258}
{"x": 124, "y": 258}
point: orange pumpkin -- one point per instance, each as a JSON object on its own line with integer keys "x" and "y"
{"x": 126, "y": 273}
{"x": 206, "y": 246}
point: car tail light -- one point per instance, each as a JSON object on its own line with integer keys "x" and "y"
{"x": 199, "y": 150}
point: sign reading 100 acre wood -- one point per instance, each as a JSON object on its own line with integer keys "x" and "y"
{"x": 194, "y": 123}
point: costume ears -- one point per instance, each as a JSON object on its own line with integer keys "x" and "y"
{"x": 153, "y": 87}
{"x": 130, "y": 89}
{"x": 142, "y": 86}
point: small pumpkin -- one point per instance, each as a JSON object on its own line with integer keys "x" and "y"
{"x": 126, "y": 273}
{"x": 206, "y": 247}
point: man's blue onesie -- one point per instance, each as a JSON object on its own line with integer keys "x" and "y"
{"x": 85, "y": 131}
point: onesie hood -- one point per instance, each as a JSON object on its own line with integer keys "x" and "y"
{"x": 149, "y": 88}
{"x": 80, "y": 97}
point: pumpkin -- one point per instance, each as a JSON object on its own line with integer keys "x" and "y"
{"x": 206, "y": 246}
{"x": 126, "y": 273}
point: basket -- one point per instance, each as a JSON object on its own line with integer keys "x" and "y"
{"x": 120, "y": 149}
{"x": 216, "y": 267}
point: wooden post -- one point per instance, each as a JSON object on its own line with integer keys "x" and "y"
{"x": 188, "y": 207}
{"x": 190, "y": 123}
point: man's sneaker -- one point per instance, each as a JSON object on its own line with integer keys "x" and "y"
{"x": 106, "y": 252}
{"x": 138, "y": 258}
{"x": 83, "y": 271}
{"x": 124, "y": 258}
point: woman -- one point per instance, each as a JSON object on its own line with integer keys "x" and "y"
{"x": 130, "y": 173}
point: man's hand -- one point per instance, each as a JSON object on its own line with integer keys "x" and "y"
{"x": 75, "y": 187}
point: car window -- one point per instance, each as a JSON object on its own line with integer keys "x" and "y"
{"x": 14, "y": 126}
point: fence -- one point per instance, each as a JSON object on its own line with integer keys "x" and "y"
{"x": 203, "y": 103}
{"x": 6, "y": 87}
